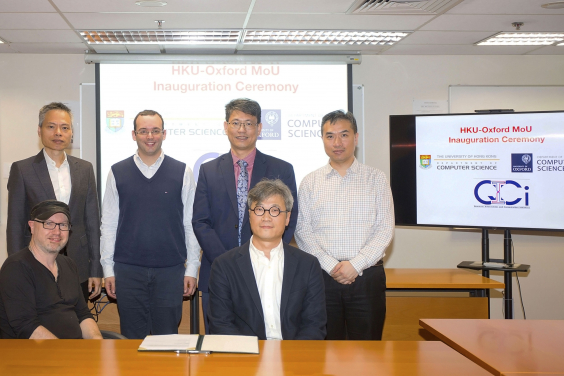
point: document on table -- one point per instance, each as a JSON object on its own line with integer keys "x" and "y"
{"x": 195, "y": 343}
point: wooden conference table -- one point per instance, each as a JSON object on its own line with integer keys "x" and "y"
{"x": 412, "y": 294}
{"x": 120, "y": 357}
{"x": 505, "y": 347}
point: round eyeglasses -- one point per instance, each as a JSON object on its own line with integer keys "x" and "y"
{"x": 273, "y": 211}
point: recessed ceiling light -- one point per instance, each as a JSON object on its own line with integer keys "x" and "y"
{"x": 151, "y": 3}
{"x": 522, "y": 39}
{"x": 554, "y": 5}
{"x": 160, "y": 36}
{"x": 323, "y": 37}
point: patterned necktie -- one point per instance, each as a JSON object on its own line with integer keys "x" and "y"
{"x": 242, "y": 190}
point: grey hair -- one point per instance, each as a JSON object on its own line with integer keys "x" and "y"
{"x": 146, "y": 113}
{"x": 267, "y": 188}
{"x": 245, "y": 105}
{"x": 332, "y": 118}
{"x": 53, "y": 106}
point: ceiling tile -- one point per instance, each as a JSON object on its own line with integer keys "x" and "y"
{"x": 32, "y": 21}
{"x": 456, "y": 50}
{"x": 301, "y": 6}
{"x": 548, "y": 50}
{"x": 9, "y": 6}
{"x": 124, "y": 21}
{"x": 495, "y": 23}
{"x": 504, "y": 7}
{"x": 49, "y": 48}
{"x": 335, "y": 21}
{"x": 172, "y": 6}
{"x": 6, "y": 49}
{"x": 29, "y": 36}
{"x": 445, "y": 37}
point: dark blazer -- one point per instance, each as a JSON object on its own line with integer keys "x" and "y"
{"x": 235, "y": 305}
{"x": 29, "y": 183}
{"x": 215, "y": 217}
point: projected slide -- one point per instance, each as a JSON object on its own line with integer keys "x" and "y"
{"x": 505, "y": 170}
{"x": 192, "y": 98}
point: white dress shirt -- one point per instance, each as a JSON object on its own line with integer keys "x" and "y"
{"x": 60, "y": 178}
{"x": 347, "y": 217}
{"x": 110, "y": 216}
{"x": 269, "y": 274}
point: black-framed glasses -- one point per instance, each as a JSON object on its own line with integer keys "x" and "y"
{"x": 236, "y": 124}
{"x": 273, "y": 211}
{"x": 145, "y": 132}
{"x": 48, "y": 225}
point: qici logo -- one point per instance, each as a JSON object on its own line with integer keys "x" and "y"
{"x": 499, "y": 198}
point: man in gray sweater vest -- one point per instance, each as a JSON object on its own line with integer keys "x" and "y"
{"x": 150, "y": 255}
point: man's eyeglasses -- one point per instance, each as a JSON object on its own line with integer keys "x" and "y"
{"x": 145, "y": 132}
{"x": 273, "y": 211}
{"x": 235, "y": 124}
{"x": 48, "y": 225}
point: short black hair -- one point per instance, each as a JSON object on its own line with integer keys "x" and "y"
{"x": 332, "y": 118}
{"x": 54, "y": 106}
{"x": 146, "y": 113}
{"x": 245, "y": 105}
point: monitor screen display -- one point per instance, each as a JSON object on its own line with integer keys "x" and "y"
{"x": 502, "y": 170}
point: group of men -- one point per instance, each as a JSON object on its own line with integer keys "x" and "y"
{"x": 242, "y": 213}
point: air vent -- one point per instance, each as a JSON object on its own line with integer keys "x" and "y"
{"x": 430, "y": 7}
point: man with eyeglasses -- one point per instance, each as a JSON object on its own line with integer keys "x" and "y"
{"x": 52, "y": 174}
{"x": 149, "y": 252}
{"x": 266, "y": 288}
{"x": 40, "y": 293}
{"x": 221, "y": 221}
{"x": 347, "y": 222}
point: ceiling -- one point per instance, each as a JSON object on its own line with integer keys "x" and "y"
{"x": 51, "y": 26}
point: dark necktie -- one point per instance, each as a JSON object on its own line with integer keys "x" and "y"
{"x": 242, "y": 190}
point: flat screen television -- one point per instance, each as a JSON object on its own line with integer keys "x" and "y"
{"x": 492, "y": 170}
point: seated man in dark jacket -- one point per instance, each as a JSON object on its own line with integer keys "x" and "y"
{"x": 266, "y": 288}
{"x": 40, "y": 292}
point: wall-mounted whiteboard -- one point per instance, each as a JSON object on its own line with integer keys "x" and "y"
{"x": 467, "y": 99}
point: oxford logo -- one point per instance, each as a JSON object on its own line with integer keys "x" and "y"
{"x": 272, "y": 118}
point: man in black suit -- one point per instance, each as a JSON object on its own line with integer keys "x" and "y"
{"x": 266, "y": 288}
{"x": 50, "y": 175}
{"x": 220, "y": 218}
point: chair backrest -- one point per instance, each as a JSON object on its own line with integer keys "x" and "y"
{"x": 107, "y": 334}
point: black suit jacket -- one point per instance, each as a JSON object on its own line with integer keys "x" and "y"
{"x": 235, "y": 305}
{"x": 29, "y": 184}
{"x": 216, "y": 217}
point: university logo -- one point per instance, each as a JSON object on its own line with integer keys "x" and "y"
{"x": 501, "y": 192}
{"x": 271, "y": 125}
{"x": 114, "y": 120}
{"x": 425, "y": 161}
{"x": 521, "y": 162}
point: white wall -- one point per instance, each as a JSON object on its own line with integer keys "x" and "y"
{"x": 27, "y": 82}
{"x": 391, "y": 83}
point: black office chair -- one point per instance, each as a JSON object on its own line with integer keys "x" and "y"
{"x": 107, "y": 334}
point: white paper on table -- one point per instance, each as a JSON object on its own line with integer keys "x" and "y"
{"x": 231, "y": 344}
{"x": 170, "y": 342}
